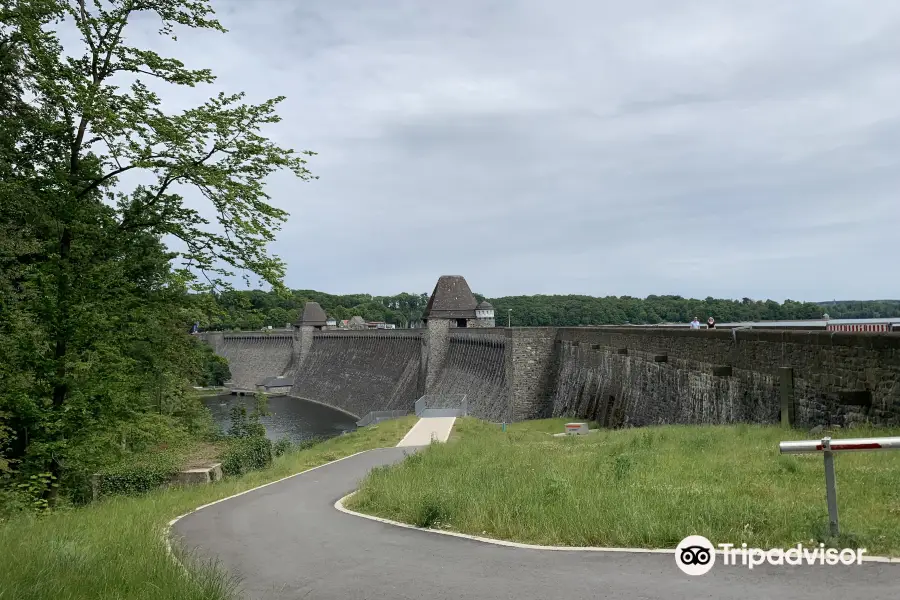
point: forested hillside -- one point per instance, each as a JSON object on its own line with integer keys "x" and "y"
{"x": 862, "y": 309}
{"x": 248, "y": 310}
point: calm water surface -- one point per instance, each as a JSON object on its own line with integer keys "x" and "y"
{"x": 290, "y": 418}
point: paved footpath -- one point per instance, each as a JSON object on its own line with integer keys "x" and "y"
{"x": 427, "y": 429}
{"x": 287, "y": 541}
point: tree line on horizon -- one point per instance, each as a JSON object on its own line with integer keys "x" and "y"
{"x": 256, "y": 309}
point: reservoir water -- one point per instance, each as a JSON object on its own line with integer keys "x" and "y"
{"x": 291, "y": 418}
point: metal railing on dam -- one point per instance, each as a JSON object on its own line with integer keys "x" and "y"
{"x": 377, "y": 416}
{"x": 439, "y": 405}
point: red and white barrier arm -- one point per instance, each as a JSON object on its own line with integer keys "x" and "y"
{"x": 841, "y": 445}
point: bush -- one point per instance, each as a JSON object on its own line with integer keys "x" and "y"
{"x": 132, "y": 456}
{"x": 430, "y": 512}
{"x": 282, "y": 446}
{"x": 246, "y": 454}
{"x": 214, "y": 371}
{"x": 309, "y": 443}
{"x": 137, "y": 477}
{"x": 244, "y": 424}
{"x": 13, "y": 500}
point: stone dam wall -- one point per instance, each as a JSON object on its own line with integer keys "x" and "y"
{"x": 475, "y": 366}
{"x": 619, "y": 383}
{"x": 623, "y": 376}
{"x": 618, "y": 376}
{"x": 253, "y": 357}
{"x": 359, "y": 372}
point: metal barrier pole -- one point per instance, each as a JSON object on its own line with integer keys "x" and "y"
{"x": 841, "y": 445}
{"x": 828, "y": 447}
{"x": 830, "y": 488}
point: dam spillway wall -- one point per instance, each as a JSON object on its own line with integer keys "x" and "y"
{"x": 644, "y": 376}
{"x": 361, "y": 371}
{"x": 475, "y": 365}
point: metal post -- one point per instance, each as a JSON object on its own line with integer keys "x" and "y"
{"x": 828, "y": 447}
{"x": 504, "y": 427}
{"x": 508, "y": 317}
{"x": 830, "y": 488}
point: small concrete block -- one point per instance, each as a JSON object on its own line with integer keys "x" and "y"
{"x": 199, "y": 475}
{"x": 576, "y": 428}
{"x": 192, "y": 476}
{"x": 661, "y": 358}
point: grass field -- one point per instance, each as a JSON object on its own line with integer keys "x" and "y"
{"x": 114, "y": 550}
{"x": 642, "y": 487}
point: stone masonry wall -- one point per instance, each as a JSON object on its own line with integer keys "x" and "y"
{"x": 436, "y": 343}
{"x": 303, "y": 339}
{"x": 482, "y": 323}
{"x": 475, "y": 366}
{"x": 253, "y": 357}
{"x": 361, "y": 371}
{"x": 531, "y": 368}
{"x": 619, "y": 375}
{"x": 618, "y": 389}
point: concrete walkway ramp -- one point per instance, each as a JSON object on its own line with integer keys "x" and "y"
{"x": 428, "y": 429}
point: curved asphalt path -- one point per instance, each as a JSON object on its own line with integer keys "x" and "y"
{"x": 287, "y": 541}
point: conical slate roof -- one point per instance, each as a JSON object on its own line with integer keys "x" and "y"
{"x": 312, "y": 315}
{"x": 451, "y": 299}
{"x": 485, "y": 305}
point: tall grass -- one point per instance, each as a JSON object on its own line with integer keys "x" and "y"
{"x": 114, "y": 549}
{"x": 644, "y": 487}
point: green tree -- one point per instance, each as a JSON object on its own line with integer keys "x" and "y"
{"x": 93, "y": 299}
{"x": 215, "y": 371}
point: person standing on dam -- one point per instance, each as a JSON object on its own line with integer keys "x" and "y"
{"x": 710, "y": 323}
{"x": 695, "y": 324}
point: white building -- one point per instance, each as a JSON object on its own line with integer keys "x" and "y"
{"x": 484, "y": 315}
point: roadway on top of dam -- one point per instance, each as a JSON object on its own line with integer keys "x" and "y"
{"x": 287, "y": 541}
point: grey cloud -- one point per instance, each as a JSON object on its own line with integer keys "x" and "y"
{"x": 697, "y": 148}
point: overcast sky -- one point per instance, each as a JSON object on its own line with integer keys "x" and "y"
{"x": 720, "y": 148}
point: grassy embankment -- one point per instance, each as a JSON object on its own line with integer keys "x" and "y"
{"x": 209, "y": 391}
{"x": 642, "y": 487}
{"x": 113, "y": 550}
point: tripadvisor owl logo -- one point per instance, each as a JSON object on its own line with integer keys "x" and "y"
{"x": 695, "y": 555}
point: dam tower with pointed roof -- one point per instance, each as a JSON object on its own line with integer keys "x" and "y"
{"x": 311, "y": 320}
{"x": 451, "y": 305}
